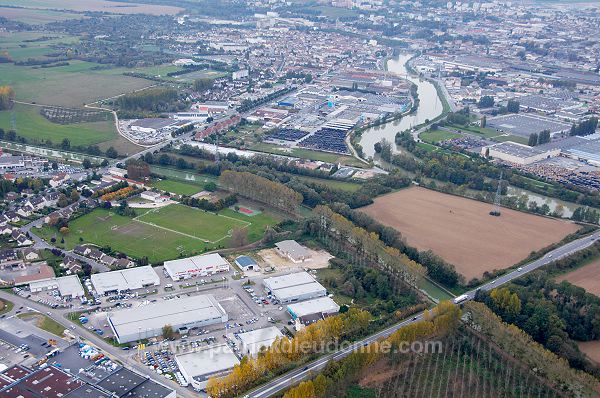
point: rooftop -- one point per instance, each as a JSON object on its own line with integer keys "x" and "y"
{"x": 202, "y": 364}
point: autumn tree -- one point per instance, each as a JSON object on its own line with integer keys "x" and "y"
{"x": 239, "y": 237}
{"x": 7, "y": 95}
{"x": 138, "y": 169}
{"x": 167, "y": 332}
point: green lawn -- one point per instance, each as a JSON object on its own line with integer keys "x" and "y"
{"x": 31, "y": 124}
{"x": 184, "y": 175}
{"x": 483, "y": 132}
{"x": 434, "y": 136}
{"x": 182, "y": 233}
{"x": 177, "y": 187}
{"x": 5, "y": 306}
{"x": 335, "y": 184}
{"x": 513, "y": 138}
{"x": 191, "y": 221}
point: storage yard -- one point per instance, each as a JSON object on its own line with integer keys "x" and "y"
{"x": 462, "y": 232}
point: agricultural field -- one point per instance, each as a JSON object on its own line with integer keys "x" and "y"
{"x": 23, "y": 45}
{"x": 177, "y": 187}
{"x": 587, "y": 277}
{"x": 468, "y": 366}
{"x": 111, "y": 7}
{"x": 72, "y": 85}
{"x": 462, "y": 232}
{"x": 591, "y": 349}
{"x": 174, "y": 231}
{"x": 33, "y": 16}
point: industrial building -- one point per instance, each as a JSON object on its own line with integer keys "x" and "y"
{"x": 246, "y": 263}
{"x": 253, "y": 341}
{"x": 125, "y": 279}
{"x": 311, "y": 311}
{"x": 191, "y": 267}
{"x": 292, "y": 250}
{"x": 68, "y": 286}
{"x": 294, "y": 287}
{"x": 198, "y": 366}
{"x": 147, "y": 321}
{"x": 518, "y": 153}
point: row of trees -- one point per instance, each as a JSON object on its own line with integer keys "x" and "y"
{"x": 261, "y": 189}
{"x": 361, "y": 247}
{"x": 538, "y": 139}
{"x": 7, "y": 95}
{"x": 586, "y": 127}
{"x": 287, "y": 353}
{"x": 154, "y": 99}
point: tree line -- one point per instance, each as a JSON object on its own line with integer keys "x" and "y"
{"x": 154, "y": 99}
{"x": 7, "y": 96}
{"x": 585, "y": 127}
{"x": 261, "y": 189}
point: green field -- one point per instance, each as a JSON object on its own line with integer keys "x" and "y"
{"x": 29, "y": 123}
{"x": 434, "y": 136}
{"x": 183, "y": 175}
{"x": 37, "y": 16}
{"x": 513, "y": 138}
{"x": 43, "y": 322}
{"x": 335, "y": 184}
{"x": 176, "y": 233}
{"x": 177, "y": 187}
{"x": 72, "y": 85}
{"x": 194, "y": 222}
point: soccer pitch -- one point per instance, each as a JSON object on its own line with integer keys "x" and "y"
{"x": 192, "y": 222}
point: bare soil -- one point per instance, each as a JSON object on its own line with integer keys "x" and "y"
{"x": 587, "y": 277}
{"x": 462, "y": 232}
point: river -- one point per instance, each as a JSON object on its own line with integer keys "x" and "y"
{"x": 430, "y": 107}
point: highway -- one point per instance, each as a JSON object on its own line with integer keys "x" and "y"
{"x": 311, "y": 369}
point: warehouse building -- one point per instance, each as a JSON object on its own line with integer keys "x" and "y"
{"x": 520, "y": 154}
{"x": 199, "y": 366}
{"x": 311, "y": 311}
{"x": 147, "y": 321}
{"x": 253, "y": 341}
{"x": 185, "y": 268}
{"x": 292, "y": 250}
{"x": 67, "y": 286}
{"x": 125, "y": 279}
{"x": 294, "y": 287}
{"x": 246, "y": 263}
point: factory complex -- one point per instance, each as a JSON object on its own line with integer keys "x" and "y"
{"x": 148, "y": 321}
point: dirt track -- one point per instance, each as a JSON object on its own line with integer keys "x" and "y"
{"x": 461, "y": 230}
{"x": 587, "y": 277}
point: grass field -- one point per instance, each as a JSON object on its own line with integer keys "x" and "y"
{"x": 29, "y": 123}
{"x": 335, "y": 184}
{"x": 72, "y": 85}
{"x": 5, "y": 306}
{"x": 43, "y": 322}
{"x": 434, "y": 136}
{"x": 177, "y": 187}
{"x": 183, "y": 175}
{"x": 194, "y": 222}
{"x": 587, "y": 277}
{"x": 178, "y": 231}
{"x": 462, "y": 232}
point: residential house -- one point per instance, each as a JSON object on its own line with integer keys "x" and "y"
{"x": 108, "y": 260}
{"x": 30, "y": 254}
{"x": 8, "y": 255}
{"x": 95, "y": 254}
{"x": 23, "y": 240}
{"x": 124, "y": 263}
{"x": 59, "y": 180}
{"x": 26, "y": 211}
{"x": 71, "y": 265}
{"x": 82, "y": 250}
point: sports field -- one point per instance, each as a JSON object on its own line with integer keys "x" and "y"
{"x": 192, "y": 222}
{"x": 461, "y": 230}
{"x": 433, "y": 136}
{"x": 169, "y": 233}
{"x": 587, "y": 277}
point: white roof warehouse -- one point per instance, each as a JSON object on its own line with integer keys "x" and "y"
{"x": 147, "y": 321}
{"x": 125, "y": 279}
{"x": 190, "y": 267}
{"x": 294, "y": 287}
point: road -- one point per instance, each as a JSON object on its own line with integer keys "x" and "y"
{"x": 291, "y": 378}
{"x": 60, "y": 316}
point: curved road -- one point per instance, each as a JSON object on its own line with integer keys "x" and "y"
{"x": 291, "y": 378}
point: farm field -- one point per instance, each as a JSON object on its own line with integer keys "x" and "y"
{"x": 587, "y": 277}
{"x": 461, "y": 230}
{"x": 166, "y": 240}
{"x": 106, "y": 6}
{"x": 591, "y": 349}
{"x": 72, "y": 85}
{"x": 177, "y": 187}
{"x": 29, "y": 123}
{"x": 20, "y": 47}
{"x": 36, "y": 16}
